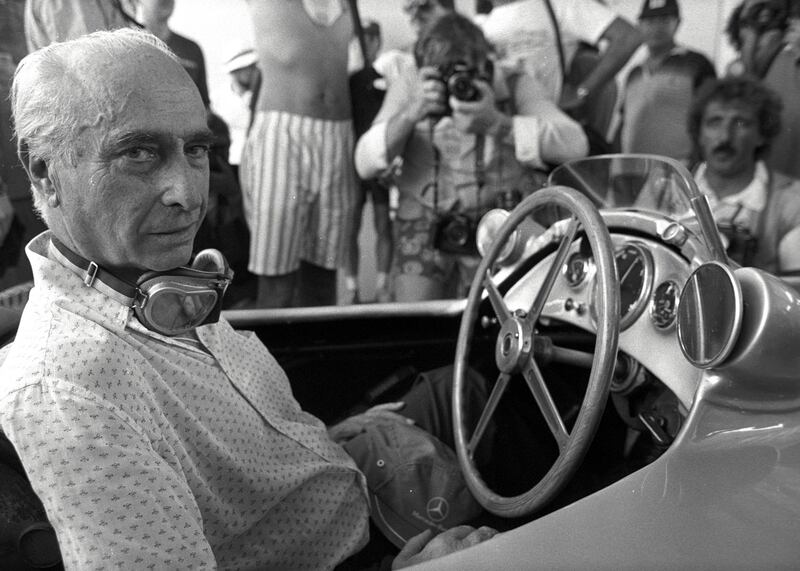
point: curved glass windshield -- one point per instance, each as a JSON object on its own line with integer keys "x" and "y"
{"x": 643, "y": 182}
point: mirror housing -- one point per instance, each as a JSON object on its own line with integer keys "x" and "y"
{"x": 710, "y": 315}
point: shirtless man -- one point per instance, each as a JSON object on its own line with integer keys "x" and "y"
{"x": 296, "y": 172}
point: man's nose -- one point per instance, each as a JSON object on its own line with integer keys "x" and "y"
{"x": 183, "y": 185}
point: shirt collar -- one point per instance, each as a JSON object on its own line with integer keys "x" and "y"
{"x": 59, "y": 283}
{"x": 753, "y": 196}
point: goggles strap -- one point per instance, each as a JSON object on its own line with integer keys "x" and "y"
{"x": 93, "y": 275}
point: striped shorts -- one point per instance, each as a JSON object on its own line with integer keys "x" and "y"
{"x": 299, "y": 188}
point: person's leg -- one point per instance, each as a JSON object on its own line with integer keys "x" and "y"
{"x": 384, "y": 241}
{"x": 276, "y": 203}
{"x": 315, "y": 286}
{"x": 276, "y": 291}
{"x": 429, "y": 403}
{"x": 327, "y": 227}
{"x": 421, "y": 270}
{"x": 353, "y": 250}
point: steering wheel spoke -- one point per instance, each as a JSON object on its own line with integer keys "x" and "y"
{"x": 488, "y": 411}
{"x": 498, "y": 304}
{"x": 552, "y": 274}
{"x": 535, "y": 381}
{"x": 514, "y": 354}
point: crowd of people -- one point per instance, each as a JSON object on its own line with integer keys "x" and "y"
{"x": 193, "y": 451}
{"x": 432, "y": 135}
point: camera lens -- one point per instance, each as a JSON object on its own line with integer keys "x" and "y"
{"x": 457, "y": 232}
{"x": 462, "y": 87}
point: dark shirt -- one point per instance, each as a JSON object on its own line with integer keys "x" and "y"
{"x": 191, "y": 57}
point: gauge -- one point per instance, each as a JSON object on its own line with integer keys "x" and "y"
{"x": 635, "y": 271}
{"x": 576, "y": 269}
{"x": 663, "y": 307}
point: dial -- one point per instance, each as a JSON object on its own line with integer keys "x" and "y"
{"x": 635, "y": 271}
{"x": 576, "y": 269}
{"x": 663, "y": 307}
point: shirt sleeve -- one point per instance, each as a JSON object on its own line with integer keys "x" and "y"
{"x": 371, "y": 155}
{"x": 586, "y": 20}
{"x": 543, "y": 133}
{"x": 113, "y": 501}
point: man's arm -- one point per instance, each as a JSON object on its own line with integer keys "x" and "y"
{"x": 408, "y": 101}
{"x": 113, "y": 501}
{"x": 540, "y": 132}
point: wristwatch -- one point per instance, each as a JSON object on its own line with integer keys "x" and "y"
{"x": 582, "y": 92}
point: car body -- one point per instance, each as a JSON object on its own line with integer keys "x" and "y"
{"x": 695, "y": 460}
{"x": 692, "y": 459}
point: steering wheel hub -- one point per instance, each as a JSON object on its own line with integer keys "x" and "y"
{"x": 513, "y": 346}
{"x": 516, "y": 359}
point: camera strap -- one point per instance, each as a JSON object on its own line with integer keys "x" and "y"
{"x": 480, "y": 168}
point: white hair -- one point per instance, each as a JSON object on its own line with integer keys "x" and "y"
{"x": 51, "y": 94}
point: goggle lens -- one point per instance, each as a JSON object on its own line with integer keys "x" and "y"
{"x": 175, "y": 308}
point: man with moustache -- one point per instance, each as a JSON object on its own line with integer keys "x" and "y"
{"x": 732, "y": 123}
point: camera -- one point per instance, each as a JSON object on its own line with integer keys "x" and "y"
{"x": 459, "y": 81}
{"x": 742, "y": 244}
{"x": 764, "y": 16}
{"x": 454, "y": 233}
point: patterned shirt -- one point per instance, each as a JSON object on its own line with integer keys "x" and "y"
{"x": 155, "y": 453}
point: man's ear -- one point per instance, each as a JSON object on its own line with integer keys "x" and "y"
{"x": 39, "y": 173}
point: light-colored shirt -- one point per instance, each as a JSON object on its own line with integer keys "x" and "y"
{"x": 523, "y": 35}
{"x": 543, "y": 134}
{"x": 742, "y": 208}
{"x": 48, "y": 21}
{"x": 151, "y": 452}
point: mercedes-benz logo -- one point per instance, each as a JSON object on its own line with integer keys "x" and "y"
{"x": 438, "y": 508}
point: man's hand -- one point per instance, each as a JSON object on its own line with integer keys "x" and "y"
{"x": 354, "y": 425}
{"x": 429, "y": 99}
{"x": 479, "y": 117}
{"x": 422, "y": 548}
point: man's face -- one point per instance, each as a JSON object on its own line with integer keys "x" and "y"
{"x": 156, "y": 10}
{"x": 659, "y": 31}
{"x": 729, "y": 137}
{"x": 137, "y": 193}
{"x": 423, "y": 13}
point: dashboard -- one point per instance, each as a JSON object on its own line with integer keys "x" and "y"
{"x": 651, "y": 277}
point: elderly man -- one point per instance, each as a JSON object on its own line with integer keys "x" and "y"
{"x": 733, "y": 123}
{"x": 156, "y": 438}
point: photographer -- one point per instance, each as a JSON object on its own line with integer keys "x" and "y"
{"x": 459, "y": 139}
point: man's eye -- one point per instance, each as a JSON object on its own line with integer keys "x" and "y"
{"x": 140, "y": 154}
{"x": 198, "y": 151}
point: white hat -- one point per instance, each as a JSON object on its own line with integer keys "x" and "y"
{"x": 241, "y": 60}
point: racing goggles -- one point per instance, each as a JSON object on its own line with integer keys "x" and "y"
{"x": 168, "y": 302}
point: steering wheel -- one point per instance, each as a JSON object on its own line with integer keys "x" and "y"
{"x": 514, "y": 354}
